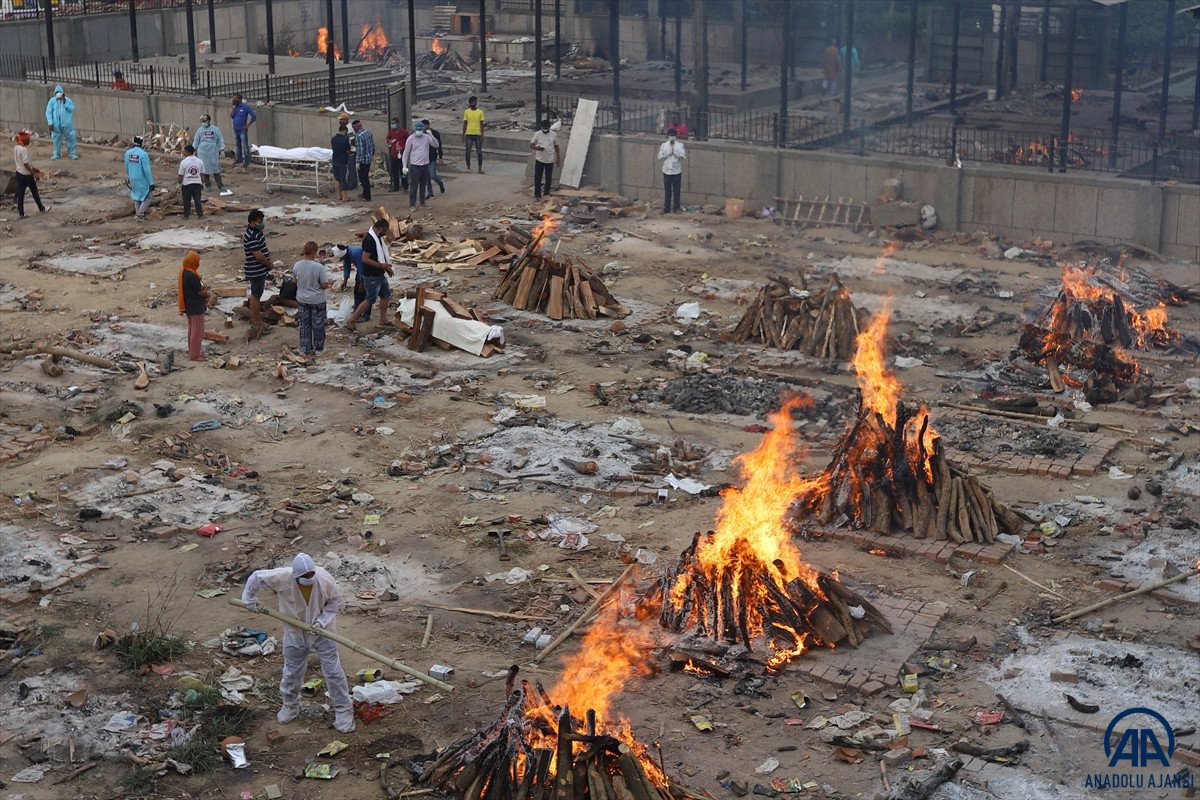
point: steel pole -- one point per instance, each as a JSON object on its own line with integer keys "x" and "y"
{"x": 133, "y": 39}
{"x": 700, "y": 21}
{"x": 482, "y": 43}
{"x": 212, "y": 26}
{"x": 614, "y": 53}
{"x": 49, "y": 31}
{"x": 1000, "y": 43}
{"x": 1119, "y": 83}
{"x": 912, "y": 61}
{"x": 330, "y": 58}
{"x": 270, "y": 38}
{"x": 1196, "y": 95}
{"x": 345, "y": 33}
{"x": 412, "y": 58}
{"x": 679, "y": 55}
{"x": 957, "y": 25}
{"x": 537, "y": 62}
{"x": 785, "y": 59}
{"x": 848, "y": 66}
{"x": 1165, "y": 97}
{"x": 1045, "y": 41}
{"x": 557, "y": 39}
{"x": 1068, "y": 81}
{"x": 745, "y": 6}
{"x": 191, "y": 34}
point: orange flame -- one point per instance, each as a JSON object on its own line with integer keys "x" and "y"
{"x": 543, "y": 229}
{"x": 880, "y": 263}
{"x": 373, "y": 42}
{"x": 323, "y": 41}
{"x": 880, "y": 388}
{"x": 1076, "y": 95}
{"x": 436, "y": 46}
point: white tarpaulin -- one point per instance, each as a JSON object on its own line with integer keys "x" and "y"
{"x": 294, "y": 153}
{"x": 465, "y": 334}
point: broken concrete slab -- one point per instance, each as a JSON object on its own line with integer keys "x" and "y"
{"x": 187, "y": 239}
{"x": 312, "y": 212}
{"x": 896, "y": 215}
{"x": 87, "y": 263}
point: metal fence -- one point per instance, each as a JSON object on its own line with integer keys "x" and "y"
{"x": 34, "y": 9}
{"x": 1136, "y": 156}
{"x": 300, "y": 89}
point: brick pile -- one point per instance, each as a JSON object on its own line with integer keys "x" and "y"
{"x": 14, "y": 441}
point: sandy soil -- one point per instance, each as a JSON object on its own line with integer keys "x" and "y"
{"x": 302, "y": 438}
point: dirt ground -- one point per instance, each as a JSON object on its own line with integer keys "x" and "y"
{"x": 305, "y": 439}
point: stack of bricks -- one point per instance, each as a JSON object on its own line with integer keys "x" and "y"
{"x": 938, "y": 550}
{"x": 35, "y": 588}
{"x": 1093, "y": 449}
{"x": 15, "y": 441}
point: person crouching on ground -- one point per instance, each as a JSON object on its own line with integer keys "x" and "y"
{"x": 193, "y": 301}
{"x": 311, "y": 283}
{"x": 308, "y": 593}
{"x": 376, "y": 266}
{"x": 351, "y": 258}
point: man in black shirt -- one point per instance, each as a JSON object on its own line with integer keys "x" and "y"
{"x": 376, "y": 267}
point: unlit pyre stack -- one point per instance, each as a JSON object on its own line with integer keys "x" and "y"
{"x": 821, "y": 323}
{"x": 892, "y": 477}
{"x": 559, "y": 289}
{"x": 747, "y": 594}
{"x": 537, "y": 751}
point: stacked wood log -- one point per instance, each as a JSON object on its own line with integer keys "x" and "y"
{"x": 892, "y": 478}
{"x": 420, "y": 333}
{"x": 537, "y": 751}
{"x": 445, "y": 61}
{"x": 399, "y": 230}
{"x": 823, "y": 323}
{"x": 748, "y": 590}
{"x": 559, "y": 289}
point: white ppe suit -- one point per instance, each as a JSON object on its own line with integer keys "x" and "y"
{"x": 320, "y": 611}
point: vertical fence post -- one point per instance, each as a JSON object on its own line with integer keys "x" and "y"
{"x": 49, "y": 29}
{"x": 45, "y": 77}
{"x": 208, "y": 82}
{"x": 97, "y": 65}
{"x": 133, "y": 37}
{"x": 268, "y": 80}
{"x": 151, "y": 79}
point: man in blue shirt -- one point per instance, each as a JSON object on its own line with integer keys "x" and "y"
{"x": 364, "y": 145}
{"x": 352, "y": 259}
{"x": 243, "y": 117}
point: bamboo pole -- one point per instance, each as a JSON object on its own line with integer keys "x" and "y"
{"x": 344, "y": 642}
{"x": 587, "y": 612}
{"x": 1143, "y": 590}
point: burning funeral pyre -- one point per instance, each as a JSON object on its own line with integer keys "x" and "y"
{"x": 889, "y": 473}
{"x": 823, "y": 323}
{"x": 567, "y": 289}
{"x": 1092, "y": 326}
{"x": 746, "y": 582}
{"x": 442, "y": 59}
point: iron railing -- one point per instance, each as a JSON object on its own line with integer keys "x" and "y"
{"x": 34, "y": 9}
{"x": 304, "y": 89}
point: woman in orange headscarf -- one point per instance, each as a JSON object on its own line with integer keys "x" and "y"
{"x": 193, "y": 301}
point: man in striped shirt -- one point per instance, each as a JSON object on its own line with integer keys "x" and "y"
{"x": 364, "y": 143}
{"x": 257, "y": 268}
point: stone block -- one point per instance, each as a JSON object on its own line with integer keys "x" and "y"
{"x": 896, "y": 215}
{"x": 992, "y": 202}
{"x": 897, "y": 757}
{"x": 1075, "y": 210}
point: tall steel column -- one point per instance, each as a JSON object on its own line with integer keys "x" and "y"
{"x": 679, "y": 55}
{"x": 330, "y": 58}
{"x": 537, "y": 62}
{"x": 1196, "y": 95}
{"x": 49, "y": 31}
{"x": 700, "y": 22}
{"x": 345, "y": 33}
{"x": 270, "y": 38}
{"x": 1068, "y": 84}
{"x": 191, "y": 34}
{"x": 482, "y": 44}
{"x": 954, "y": 57}
{"x": 912, "y": 61}
{"x": 1165, "y": 97}
{"x": 212, "y": 26}
{"x": 1001, "y": 36}
{"x": 1045, "y": 41}
{"x": 412, "y": 58}
{"x": 742, "y": 49}
{"x": 785, "y": 60}
{"x": 133, "y": 38}
{"x": 557, "y": 39}
{"x": 1119, "y": 83}
{"x": 614, "y": 53}
{"x": 848, "y": 67}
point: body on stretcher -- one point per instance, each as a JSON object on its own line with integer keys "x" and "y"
{"x": 305, "y": 168}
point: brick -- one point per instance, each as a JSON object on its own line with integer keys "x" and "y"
{"x": 15, "y": 598}
{"x": 871, "y": 687}
{"x": 1171, "y": 598}
{"x": 1064, "y": 677}
{"x": 1111, "y": 585}
{"x": 897, "y": 757}
{"x": 990, "y": 558}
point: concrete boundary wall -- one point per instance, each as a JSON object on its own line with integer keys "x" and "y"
{"x": 1017, "y": 202}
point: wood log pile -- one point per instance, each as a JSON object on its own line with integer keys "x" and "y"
{"x": 559, "y": 289}
{"x": 420, "y": 333}
{"x": 822, "y": 324}
{"x": 889, "y": 479}
{"x": 750, "y": 593}
{"x": 445, "y": 61}
{"x": 537, "y": 751}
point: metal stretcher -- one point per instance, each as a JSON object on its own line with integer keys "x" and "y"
{"x": 306, "y": 169}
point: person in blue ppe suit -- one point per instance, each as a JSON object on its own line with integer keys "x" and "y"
{"x": 141, "y": 179}
{"x": 60, "y": 116}
{"x": 210, "y": 146}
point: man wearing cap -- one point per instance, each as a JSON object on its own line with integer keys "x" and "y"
{"x": 140, "y": 178}
{"x": 60, "y": 116}
{"x": 308, "y": 593}
{"x": 210, "y": 144}
{"x": 364, "y": 145}
{"x": 418, "y": 152}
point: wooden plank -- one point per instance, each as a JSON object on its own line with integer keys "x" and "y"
{"x": 486, "y": 255}
{"x": 228, "y": 291}
{"x": 456, "y": 308}
{"x": 588, "y": 300}
{"x": 554, "y": 306}
{"x": 521, "y": 298}
{"x": 418, "y": 319}
{"x": 577, "y": 146}
{"x": 215, "y": 336}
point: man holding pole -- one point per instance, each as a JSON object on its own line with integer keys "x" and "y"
{"x": 308, "y": 593}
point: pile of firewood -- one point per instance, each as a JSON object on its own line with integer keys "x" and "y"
{"x": 793, "y": 615}
{"x": 536, "y": 750}
{"x": 889, "y": 478}
{"x": 420, "y": 332}
{"x": 559, "y": 289}
{"x": 445, "y": 61}
{"x": 823, "y": 323}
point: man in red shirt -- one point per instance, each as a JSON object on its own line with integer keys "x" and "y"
{"x": 396, "y": 137}
{"x": 679, "y": 126}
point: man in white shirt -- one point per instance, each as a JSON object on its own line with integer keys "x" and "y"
{"x": 311, "y": 283}
{"x": 415, "y": 159}
{"x": 546, "y": 155}
{"x": 671, "y": 154}
{"x": 191, "y": 178}
{"x": 27, "y": 174}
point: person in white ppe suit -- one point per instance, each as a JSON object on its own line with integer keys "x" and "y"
{"x": 308, "y": 593}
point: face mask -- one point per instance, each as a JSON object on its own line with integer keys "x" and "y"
{"x": 305, "y": 581}
{"x": 59, "y": 95}
{"x": 394, "y": 126}
{"x": 203, "y": 123}
{"x": 672, "y": 138}
{"x": 545, "y": 129}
